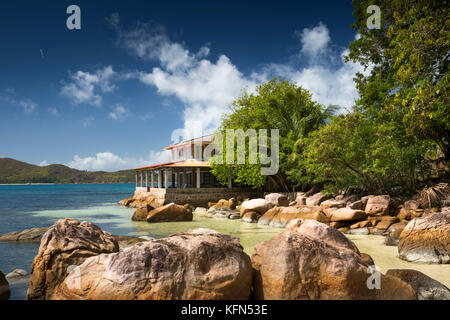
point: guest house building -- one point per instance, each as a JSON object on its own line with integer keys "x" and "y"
{"x": 187, "y": 177}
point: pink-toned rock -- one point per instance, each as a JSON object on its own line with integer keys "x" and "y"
{"x": 277, "y": 199}
{"x": 329, "y": 205}
{"x": 169, "y": 212}
{"x": 378, "y": 205}
{"x": 65, "y": 244}
{"x": 357, "y": 205}
{"x": 280, "y": 216}
{"x": 311, "y": 260}
{"x": 251, "y": 217}
{"x": 347, "y": 214}
{"x": 411, "y": 205}
{"x": 317, "y": 199}
{"x": 426, "y": 240}
{"x": 200, "y": 264}
{"x": 257, "y": 205}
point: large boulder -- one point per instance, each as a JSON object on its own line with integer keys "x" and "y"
{"x": 281, "y": 216}
{"x": 426, "y": 288}
{"x": 277, "y": 199}
{"x": 27, "y": 235}
{"x": 311, "y": 260}
{"x": 140, "y": 214}
{"x": 251, "y": 217}
{"x": 346, "y": 214}
{"x": 316, "y": 199}
{"x": 169, "y": 212}
{"x": 377, "y": 205}
{"x": 16, "y": 275}
{"x": 126, "y": 202}
{"x": 329, "y": 205}
{"x": 200, "y": 264}
{"x": 393, "y": 233}
{"x": 426, "y": 240}
{"x": 65, "y": 244}
{"x": 5, "y": 290}
{"x": 257, "y": 205}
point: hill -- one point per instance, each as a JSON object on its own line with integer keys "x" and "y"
{"x": 14, "y": 171}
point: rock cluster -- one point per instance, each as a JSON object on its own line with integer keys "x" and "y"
{"x": 65, "y": 245}
{"x": 198, "y": 264}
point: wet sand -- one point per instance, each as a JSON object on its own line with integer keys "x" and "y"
{"x": 385, "y": 258}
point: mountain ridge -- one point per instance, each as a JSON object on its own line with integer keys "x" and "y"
{"x": 15, "y": 171}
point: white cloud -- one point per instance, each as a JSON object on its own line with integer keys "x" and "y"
{"x": 28, "y": 105}
{"x": 44, "y": 163}
{"x": 108, "y": 161}
{"x": 86, "y": 87}
{"x": 208, "y": 87}
{"x": 119, "y": 113}
{"x": 314, "y": 40}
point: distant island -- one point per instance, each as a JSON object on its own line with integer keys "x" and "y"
{"x": 13, "y": 171}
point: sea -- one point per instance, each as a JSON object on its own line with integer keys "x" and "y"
{"x": 28, "y": 206}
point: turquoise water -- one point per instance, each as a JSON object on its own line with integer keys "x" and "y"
{"x": 28, "y": 206}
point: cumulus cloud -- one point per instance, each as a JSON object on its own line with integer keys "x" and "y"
{"x": 86, "y": 87}
{"x": 208, "y": 87}
{"x": 119, "y": 113}
{"x": 28, "y": 105}
{"x": 314, "y": 40}
{"x": 108, "y": 161}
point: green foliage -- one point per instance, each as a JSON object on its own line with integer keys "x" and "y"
{"x": 409, "y": 81}
{"x": 355, "y": 152}
{"x": 277, "y": 104}
{"x": 13, "y": 171}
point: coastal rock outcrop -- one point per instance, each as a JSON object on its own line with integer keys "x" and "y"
{"x": 346, "y": 214}
{"x": 426, "y": 239}
{"x": 311, "y": 260}
{"x": 251, "y": 217}
{"x": 280, "y": 216}
{"x": 277, "y": 199}
{"x": 257, "y": 205}
{"x": 65, "y": 244}
{"x": 377, "y": 205}
{"x": 316, "y": 199}
{"x": 169, "y": 212}
{"x": 5, "y": 290}
{"x": 198, "y": 264}
{"x": 426, "y": 288}
{"x": 27, "y": 235}
{"x": 16, "y": 275}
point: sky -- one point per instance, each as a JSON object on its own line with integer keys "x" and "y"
{"x": 138, "y": 74}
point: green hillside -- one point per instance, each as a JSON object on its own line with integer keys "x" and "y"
{"x": 14, "y": 171}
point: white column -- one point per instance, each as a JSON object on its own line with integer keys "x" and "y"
{"x": 136, "y": 179}
{"x": 146, "y": 178}
{"x": 198, "y": 178}
{"x": 152, "y": 173}
{"x": 166, "y": 179}
{"x": 142, "y": 181}
{"x": 176, "y": 180}
{"x": 229, "y": 183}
{"x": 159, "y": 178}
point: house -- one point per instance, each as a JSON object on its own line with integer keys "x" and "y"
{"x": 187, "y": 178}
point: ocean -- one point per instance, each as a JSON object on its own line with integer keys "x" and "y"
{"x": 28, "y": 206}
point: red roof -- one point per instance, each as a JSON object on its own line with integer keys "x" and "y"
{"x": 155, "y": 165}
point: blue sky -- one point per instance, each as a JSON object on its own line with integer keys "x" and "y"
{"x": 111, "y": 95}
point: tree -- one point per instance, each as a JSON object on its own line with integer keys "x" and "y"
{"x": 358, "y": 153}
{"x": 409, "y": 56}
{"x": 276, "y": 104}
